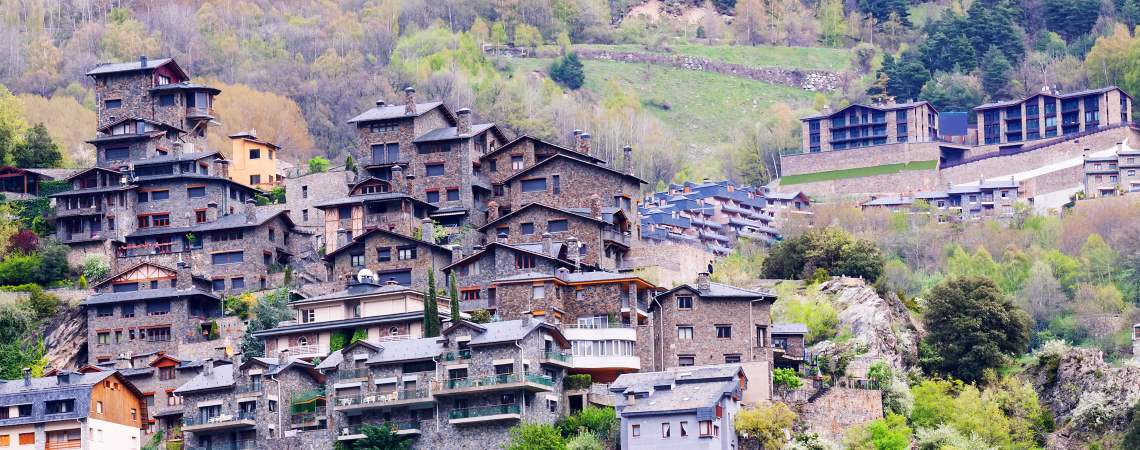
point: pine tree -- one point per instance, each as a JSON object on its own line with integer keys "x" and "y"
{"x": 349, "y": 164}
{"x": 568, "y": 71}
{"x": 1130, "y": 13}
{"x": 454, "y": 291}
{"x": 37, "y": 150}
{"x": 431, "y": 308}
{"x": 995, "y": 73}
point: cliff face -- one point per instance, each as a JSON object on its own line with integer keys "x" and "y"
{"x": 1088, "y": 397}
{"x": 881, "y": 329}
{"x": 65, "y": 337}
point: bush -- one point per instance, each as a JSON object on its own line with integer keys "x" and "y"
{"x": 25, "y": 241}
{"x": 480, "y": 316}
{"x": 535, "y": 436}
{"x": 577, "y": 381}
{"x": 95, "y": 268}
{"x": 318, "y": 164}
{"x": 888, "y": 433}
{"x": 601, "y": 422}
{"x": 53, "y": 263}
{"x": 584, "y": 441}
{"x": 831, "y": 249}
{"x": 18, "y": 269}
{"x": 786, "y": 380}
{"x": 239, "y": 305}
{"x": 972, "y": 326}
{"x": 768, "y": 424}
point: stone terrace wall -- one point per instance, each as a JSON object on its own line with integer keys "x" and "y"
{"x": 1007, "y": 165}
{"x": 862, "y": 157}
{"x": 863, "y": 187}
{"x": 1058, "y": 180}
{"x": 838, "y": 409}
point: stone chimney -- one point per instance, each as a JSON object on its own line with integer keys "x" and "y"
{"x": 142, "y": 61}
{"x": 212, "y": 211}
{"x": 27, "y": 376}
{"x": 380, "y": 103}
{"x": 577, "y": 134}
{"x": 595, "y": 206}
{"x": 492, "y": 211}
{"x": 176, "y": 149}
{"x": 427, "y": 230}
{"x": 584, "y": 143}
{"x": 184, "y": 278}
{"x": 221, "y": 168}
{"x": 341, "y": 238}
{"x": 283, "y": 356}
{"x": 463, "y": 121}
{"x": 409, "y": 100}
{"x": 562, "y": 272}
{"x": 526, "y": 318}
{"x": 63, "y": 377}
{"x": 547, "y": 243}
{"x": 250, "y": 209}
{"x": 703, "y": 282}
{"x": 208, "y": 366}
{"x": 397, "y": 180}
{"x": 456, "y": 254}
{"x": 627, "y": 159}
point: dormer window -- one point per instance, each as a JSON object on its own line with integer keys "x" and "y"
{"x": 163, "y": 80}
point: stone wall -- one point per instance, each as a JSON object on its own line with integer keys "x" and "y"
{"x": 667, "y": 264}
{"x": 863, "y": 187}
{"x": 587, "y": 231}
{"x": 428, "y": 257}
{"x": 832, "y": 413}
{"x": 578, "y": 182}
{"x": 999, "y": 166}
{"x": 859, "y": 157}
{"x": 304, "y": 192}
{"x": 1058, "y": 180}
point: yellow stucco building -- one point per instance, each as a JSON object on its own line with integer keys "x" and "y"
{"x": 253, "y": 162}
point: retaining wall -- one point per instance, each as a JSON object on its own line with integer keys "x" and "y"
{"x": 861, "y": 157}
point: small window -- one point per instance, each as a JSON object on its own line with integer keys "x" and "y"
{"x": 196, "y": 192}
{"x": 524, "y": 261}
{"x": 453, "y": 195}
{"x": 167, "y": 373}
{"x": 683, "y": 428}
{"x": 635, "y": 430}
{"x": 526, "y": 228}
{"x": 113, "y": 104}
{"x": 237, "y": 283}
{"x": 731, "y": 359}
{"x": 227, "y": 258}
{"x": 199, "y": 217}
{"x": 538, "y": 292}
{"x": 305, "y": 214}
{"x": 555, "y": 226}
{"x": 255, "y": 179}
{"x": 405, "y": 254}
{"x": 665, "y": 430}
{"x": 686, "y": 360}
{"x": 383, "y": 254}
{"x": 685, "y": 333}
{"x": 357, "y": 259}
{"x": 433, "y": 196}
{"x": 255, "y": 153}
{"x": 114, "y": 154}
{"x": 304, "y": 192}
{"x": 706, "y": 428}
{"x": 534, "y": 185}
{"x": 724, "y": 331}
{"x": 684, "y": 302}
{"x": 166, "y": 100}
{"x": 218, "y": 285}
{"x": 555, "y": 184}
{"x": 434, "y": 170}
{"x": 517, "y": 162}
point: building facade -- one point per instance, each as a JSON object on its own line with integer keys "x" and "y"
{"x": 682, "y": 408}
{"x": 859, "y": 126}
{"x": 88, "y": 411}
{"x": 253, "y": 161}
{"x": 1047, "y": 115}
{"x": 1112, "y": 174}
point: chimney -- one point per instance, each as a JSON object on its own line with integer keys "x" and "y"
{"x": 380, "y": 103}
{"x": 27, "y": 376}
{"x": 577, "y": 134}
{"x": 391, "y": 282}
{"x": 703, "y": 282}
{"x": 492, "y": 211}
{"x": 250, "y": 208}
{"x": 341, "y": 238}
{"x": 1119, "y": 146}
{"x": 221, "y": 168}
{"x": 63, "y": 377}
{"x": 463, "y": 122}
{"x": 547, "y": 243}
{"x": 142, "y": 61}
{"x": 595, "y": 206}
{"x": 184, "y": 278}
{"x": 456, "y": 254}
{"x": 562, "y": 272}
{"x": 630, "y": 399}
{"x": 409, "y": 100}
{"x": 397, "y": 179}
{"x": 176, "y": 148}
{"x": 627, "y": 159}
{"x": 208, "y": 366}
{"x": 427, "y": 230}
{"x": 211, "y": 211}
{"x": 526, "y": 317}
{"x": 584, "y": 143}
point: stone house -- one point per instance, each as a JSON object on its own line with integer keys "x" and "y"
{"x": 257, "y": 405}
{"x": 475, "y": 274}
{"x": 304, "y": 192}
{"x": 382, "y": 312}
{"x": 602, "y": 314}
{"x": 570, "y": 182}
{"x": 708, "y": 214}
{"x": 348, "y": 217}
{"x": 680, "y": 408}
{"x": 149, "y": 308}
{"x": 600, "y": 235}
{"x": 391, "y": 256}
{"x": 156, "y": 375}
{"x": 785, "y": 206}
{"x": 788, "y": 346}
{"x": 68, "y": 410}
{"x": 712, "y": 323}
{"x": 521, "y": 153}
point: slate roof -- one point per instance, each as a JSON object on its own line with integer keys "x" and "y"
{"x": 449, "y": 133}
{"x": 889, "y": 200}
{"x": 145, "y": 294}
{"x": 789, "y": 328}
{"x": 680, "y": 389}
{"x": 396, "y": 111}
{"x": 505, "y": 331}
{"x": 890, "y": 107}
{"x": 511, "y": 247}
{"x": 525, "y": 137}
{"x": 221, "y": 377}
{"x": 186, "y": 85}
{"x": 357, "y": 290}
{"x": 226, "y": 222}
{"x": 131, "y": 66}
{"x": 784, "y": 195}
{"x": 717, "y": 290}
{"x": 562, "y": 156}
{"x": 577, "y": 212}
{"x": 353, "y": 199}
{"x": 407, "y": 350}
{"x": 1004, "y": 103}
{"x": 343, "y": 323}
{"x": 363, "y": 236}
{"x": 572, "y": 277}
{"x": 122, "y": 187}
{"x": 43, "y": 389}
{"x": 170, "y": 158}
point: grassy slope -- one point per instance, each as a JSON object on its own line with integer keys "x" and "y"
{"x": 704, "y": 108}
{"x": 857, "y": 172}
{"x": 758, "y": 56}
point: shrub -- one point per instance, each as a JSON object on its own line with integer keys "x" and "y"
{"x": 577, "y": 381}
{"x": 95, "y": 268}
{"x": 535, "y": 436}
{"x": 53, "y": 263}
{"x": 568, "y": 72}
{"x": 584, "y": 441}
{"x": 18, "y": 269}
{"x": 768, "y": 424}
{"x": 786, "y": 380}
{"x": 25, "y": 241}
{"x": 888, "y": 433}
{"x": 239, "y": 305}
{"x": 318, "y": 164}
{"x": 601, "y": 422}
{"x": 480, "y": 316}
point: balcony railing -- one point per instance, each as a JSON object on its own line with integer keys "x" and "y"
{"x": 301, "y": 350}
{"x": 396, "y": 427}
{"x": 457, "y": 355}
{"x": 482, "y": 411}
{"x": 597, "y": 325}
{"x": 194, "y": 111}
{"x": 558, "y": 356}
{"x": 303, "y": 418}
{"x": 615, "y": 236}
{"x": 88, "y": 210}
{"x": 246, "y": 444}
{"x": 382, "y": 398}
{"x": 63, "y": 445}
{"x": 493, "y": 380}
{"x": 248, "y": 388}
{"x": 348, "y": 374}
{"x": 218, "y": 419}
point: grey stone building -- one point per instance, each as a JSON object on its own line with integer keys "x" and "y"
{"x": 475, "y": 274}
{"x": 681, "y": 408}
{"x": 462, "y": 390}
{"x": 304, "y": 192}
{"x": 391, "y": 256}
{"x": 595, "y": 236}
{"x": 788, "y": 345}
{"x": 265, "y": 403}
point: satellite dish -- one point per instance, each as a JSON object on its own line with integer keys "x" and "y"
{"x": 365, "y": 276}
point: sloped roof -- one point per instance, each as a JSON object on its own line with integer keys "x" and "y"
{"x": 543, "y": 206}
{"x": 220, "y": 377}
{"x": 525, "y": 137}
{"x": 789, "y": 328}
{"x": 353, "y": 199}
{"x": 564, "y": 157}
{"x": 506, "y": 331}
{"x": 132, "y": 66}
{"x": 364, "y": 236}
{"x": 226, "y": 222}
{"x": 510, "y": 247}
{"x": 717, "y": 290}
{"x": 397, "y": 111}
{"x": 448, "y": 133}
{"x": 43, "y": 389}
{"x": 146, "y": 294}
{"x": 186, "y": 85}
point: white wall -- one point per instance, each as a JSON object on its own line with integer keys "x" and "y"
{"x": 112, "y": 436}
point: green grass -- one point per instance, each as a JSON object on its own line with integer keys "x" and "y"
{"x": 857, "y": 172}
{"x": 703, "y": 109}
{"x": 812, "y": 58}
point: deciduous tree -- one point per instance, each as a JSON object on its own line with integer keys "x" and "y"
{"x": 973, "y": 327}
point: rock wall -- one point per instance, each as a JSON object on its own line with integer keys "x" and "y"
{"x": 860, "y": 157}
{"x": 838, "y": 409}
{"x": 1088, "y": 397}
{"x": 998, "y": 166}
{"x": 881, "y": 326}
{"x": 862, "y": 188}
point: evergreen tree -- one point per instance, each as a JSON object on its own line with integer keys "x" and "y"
{"x": 1071, "y": 18}
{"x": 431, "y": 308}
{"x": 567, "y": 71}
{"x": 881, "y": 10}
{"x": 1130, "y": 13}
{"x": 454, "y": 291}
{"x": 349, "y": 164}
{"x": 906, "y": 77}
{"x": 995, "y": 73}
{"x": 971, "y": 327}
{"x": 992, "y": 23}
{"x": 37, "y": 150}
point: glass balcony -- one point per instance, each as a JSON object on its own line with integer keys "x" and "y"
{"x": 558, "y": 356}
{"x": 382, "y": 399}
{"x": 456, "y": 356}
{"x": 356, "y": 431}
{"x": 244, "y": 419}
{"x": 485, "y": 412}
{"x": 348, "y": 374}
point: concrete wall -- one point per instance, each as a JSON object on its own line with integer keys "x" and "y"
{"x": 863, "y": 187}
{"x": 860, "y": 157}
{"x": 1005, "y": 165}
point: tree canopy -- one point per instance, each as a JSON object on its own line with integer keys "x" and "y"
{"x": 971, "y": 327}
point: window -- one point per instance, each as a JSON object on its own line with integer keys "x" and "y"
{"x": 434, "y": 170}
{"x": 383, "y": 254}
{"x": 27, "y": 438}
{"x": 524, "y": 261}
{"x": 470, "y": 294}
{"x": 502, "y": 231}
{"x": 255, "y": 153}
{"x": 218, "y": 285}
{"x": 732, "y": 359}
{"x": 517, "y": 162}
{"x": 356, "y": 259}
{"x": 684, "y": 428}
{"x": 406, "y": 253}
{"x": 113, "y": 154}
{"x": 686, "y": 360}
{"x": 196, "y": 191}
{"x": 556, "y": 184}
{"x": 635, "y": 430}
{"x": 685, "y": 333}
{"x": 555, "y": 226}
{"x": 724, "y": 331}
{"x": 255, "y": 179}
{"x": 227, "y": 258}
{"x": 128, "y": 309}
{"x": 228, "y": 235}
{"x": 665, "y": 430}
{"x": 237, "y": 283}
{"x": 105, "y": 311}
{"x": 160, "y": 195}
{"x": 305, "y": 214}
{"x": 5, "y": 440}
{"x": 433, "y": 196}
{"x": 199, "y": 217}
{"x": 534, "y": 185}
{"x": 166, "y": 100}
{"x": 112, "y": 104}
{"x": 453, "y": 195}
{"x": 526, "y": 228}
{"x": 308, "y": 315}
{"x": 706, "y": 428}
{"x": 167, "y": 373}
{"x": 158, "y": 334}
{"x": 684, "y": 302}
{"x": 104, "y": 338}
{"x": 538, "y": 292}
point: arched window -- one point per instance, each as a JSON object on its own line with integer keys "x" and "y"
{"x": 302, "y": 340}
{"x": 393, "y": 331}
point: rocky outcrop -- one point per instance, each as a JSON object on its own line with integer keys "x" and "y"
{"x": 880, "y": 329}
{"x": 1087, "y": 396}
{"x": 65, "y": 335}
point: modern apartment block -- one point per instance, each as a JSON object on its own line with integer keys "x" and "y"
{"x": 708, "y": 214}
{"x": 1114, "y": 174}
{"x": 859, "y": 126}
{"x": 992, "y": 199}
{"x": 680, "y": 408}
{"x": 461, "y": 390}
{"x": 1049, "y": 114}
{"x": 68, "y": 410}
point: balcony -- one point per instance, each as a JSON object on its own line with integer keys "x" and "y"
{"x": 63, "y": 445}
{"x": 83, "y": 211}
{"x": 405, "y": 397}
{"x": 352, "y": 374}
{"x": 251, "y": 389}
{"x": 377, "y": 161}
{"x": 306, "y": 351}
{"x": 616, "y": 237}
{"x": 246, "y": 444}
{"x": 484, "y": 414}
{"x": 405, "y": 428}
{"x": 560, "y": 359}
{"x": 456, "y": 356}
{"x": 221, "y": 422}
{"x": 80, "y": 236}
{"x": 194, "y": 112}
{"x": 501, "y": 382}
{"x": 308, "y": 419}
